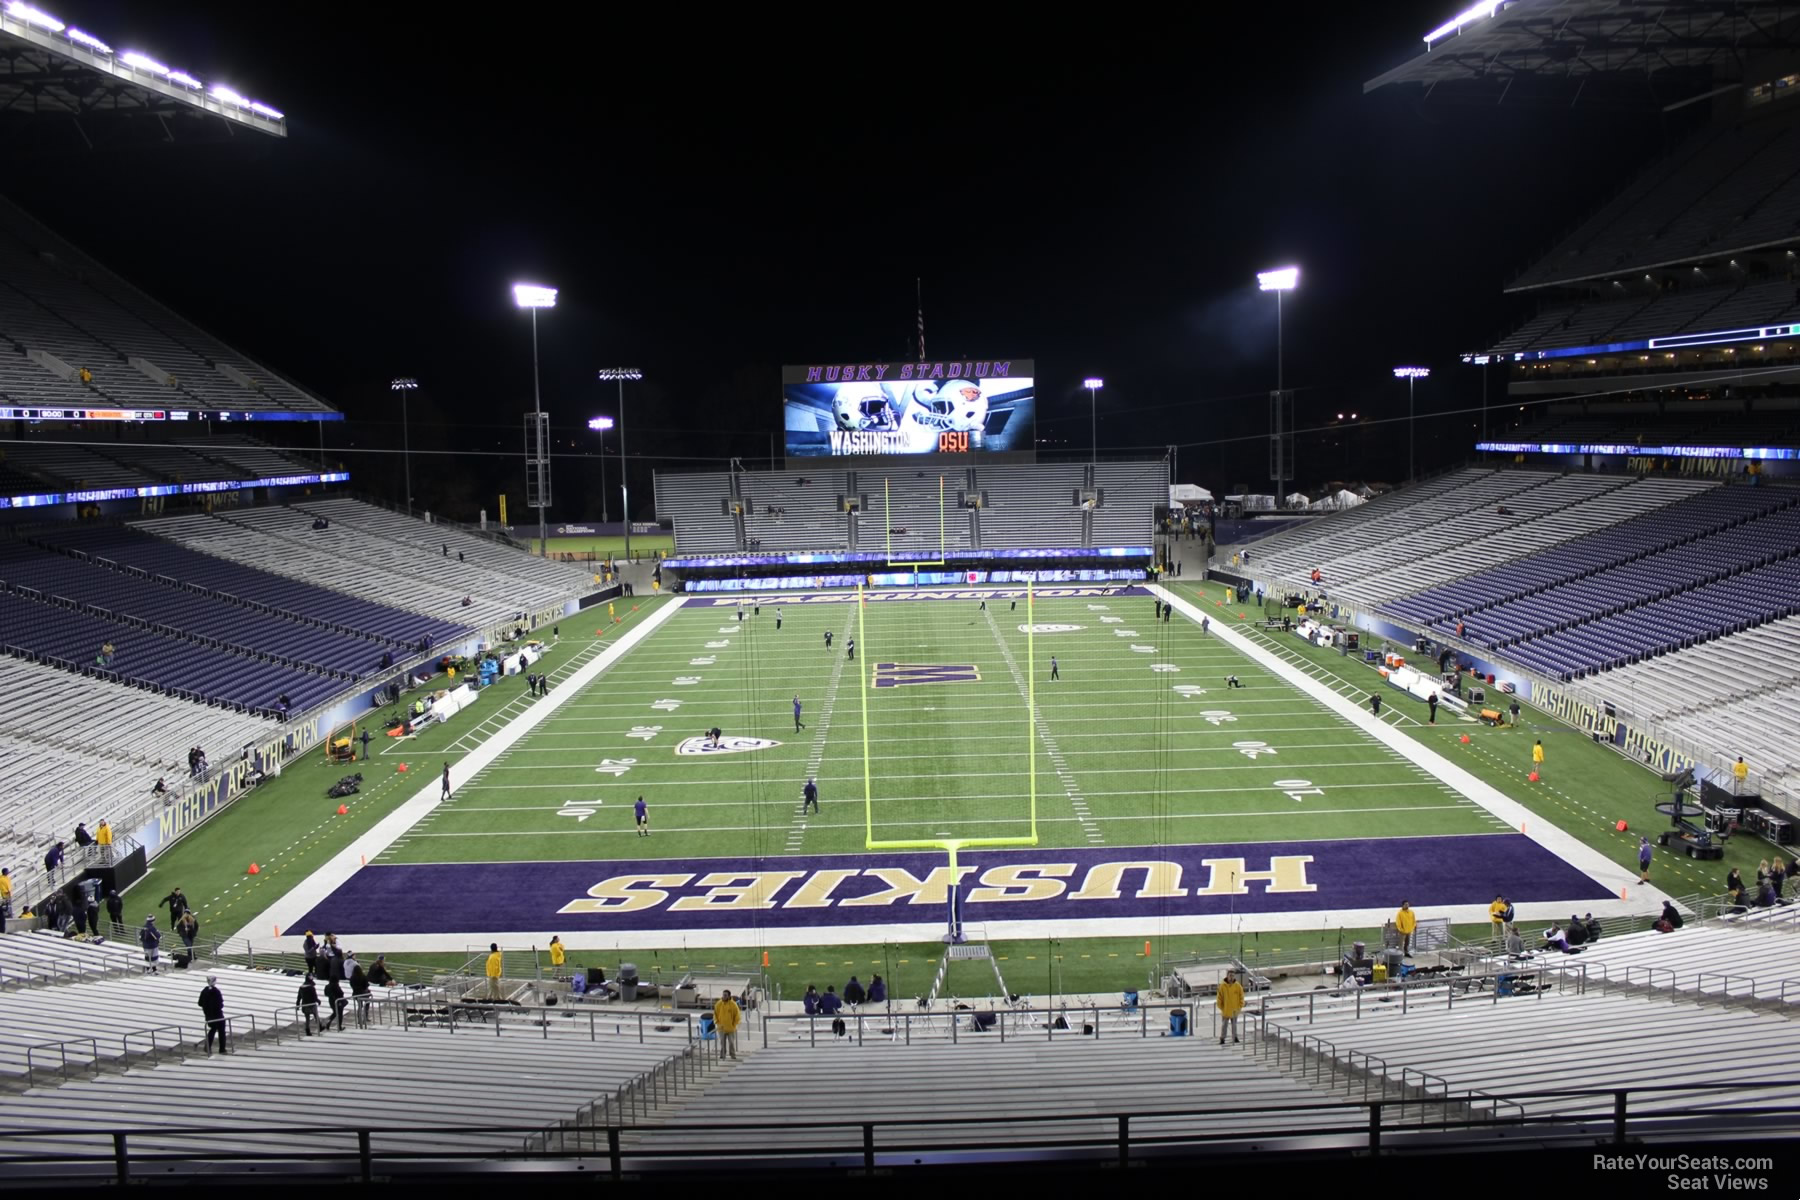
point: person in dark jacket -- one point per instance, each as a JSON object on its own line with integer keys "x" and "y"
{"x": 212, "y": 1005}
{"x": 115, "y": 907}
{"x": 53, "y": 858}
{"x": 82, "y": 836}
{"x": 189, "y": 929}
{"x": 830, "y": 1002}
{"x": 379, "y": 975}
{"x": 308, "y": 1000}
{"x": 877, "y": 991}
{"x": 853, "y": 992}
{"x": 150, "y": 937}
{"x": 177, "y": 904}
{"x": 311, "y": 948}
{"x": 1592, "y": 927}
{"x": 359, "y": 991}
{"x": 1734, "y": 885}
{"x": 1670, "y": 915}
{"x": 810, "y": 1001}
{"x": 334, "y": 996}
{"x": 1575, "y": 931}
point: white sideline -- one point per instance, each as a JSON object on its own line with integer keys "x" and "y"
{"x": 1578, "y": 854}
{"x": 313, "y": 890}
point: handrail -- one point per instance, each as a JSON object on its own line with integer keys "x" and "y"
{"x": 153, "y": 1033}
{"x": 62, "y": 1047}
{"x": 1701, "y": 978}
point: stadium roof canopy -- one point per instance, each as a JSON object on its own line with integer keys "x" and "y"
{"x": 56, "y": 79}
{"x": 1627, "y": 54}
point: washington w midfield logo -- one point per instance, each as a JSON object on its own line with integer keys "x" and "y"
{"x": 906, "y": 674}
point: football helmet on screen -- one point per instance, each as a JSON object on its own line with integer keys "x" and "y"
{"x": 861, "y": 406}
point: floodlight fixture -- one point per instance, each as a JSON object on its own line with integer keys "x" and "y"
{"x": 34, "y": 16}
{"x": 620, "y": 376}
{"x": 1282, "y": 279}
{"x": 1092, "y": 384}
{"x": 1412, "y": 375}
{"x": 1486, "y": 8}
{"x": 405, "y": 387}
{"x": 534, "y": 295}
{"x": 83, "y": 38}
{"x": 1412, "y": 372}
{"x": 600, "y": 424}
{"x": 258, "y": 107}
{"x": 229, "y": 96}
{"x": 185, "y": 80}
{"x": 143, "y": 62}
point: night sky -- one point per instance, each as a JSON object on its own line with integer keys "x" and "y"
{"x": 717, "y": 197}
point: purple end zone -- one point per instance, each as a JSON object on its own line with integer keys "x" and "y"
{"x": 1031, "y": 884}
{"x": 729, "y": 601}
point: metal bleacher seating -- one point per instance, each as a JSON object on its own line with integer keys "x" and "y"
{"x": 281, "y": 541}
{"x": 805, "y": 517}
{"x": 920, "y": 500}
{"x": 1069, "y": 1077}
{"x": 695, "y": 504}
{"x": 1032, "y": 506}
{"x": 55, "y": 299}
{"x": 1130, "y": 494}
{"x": 429, "y": 539}
{"x": 134, "y": 548}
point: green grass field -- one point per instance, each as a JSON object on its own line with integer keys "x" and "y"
{"x": 1130, "y": 760}
{"x": 643, "y": 544}
{"x": 1121, "y": 756}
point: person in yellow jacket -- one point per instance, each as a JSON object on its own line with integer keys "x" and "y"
{"x": 1537, "y": 754}
{"x": 1405, "y": 922}
{"x": 103, "y": 839}
{"x": 727, "y": 1016}
{"x": 493, "y": 970}
{"x": 1497, "y": 915}
{"x": 1230, "y": 1002}
{"x": 557, "y": 953}
{"x": 1740, "y": 771}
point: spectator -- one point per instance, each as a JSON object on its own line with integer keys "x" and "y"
{"x": 1575, "y": 933}
{"x": 1592, "y": 927}
{"x": 103, "y": 839}
{"x": 853, "y": 992}
{"x": 5, "y": 897}
{"x": 1643, "y": 859}
{"x": 115, "y": 908}
{"x": 558, "y": 955}
{"x": 379, "y": 975}
{"x": 1405, "y": 922}
{"x": 161, "y": 788}
{"x": 212, "y": 1005}
{"x": 90, "y": 902}
{"x": 359, "y": 991}
{"x": 1554, "y": 939}
{"x": 150, "y": 937}
{"x": 1230, "y": 1002}
{"x": 1514, "y": 943}
{"x": 334, "y": 996}
{"x": 830, "y": 1004}
{"x": 493, "y": 971}
{"x": 1777, "y": 875}
{"x": 308, "y": 1000}
{"x": 1670, "y": 915}
{"x": 53, "y": 858}
{"x": 82, "y": 837}
{"x": 350, "y": 965}
{"x": 809, "y": 1003}
{"x": 189, "y": 929}
{"x": 311, "y": 949}
{"x": 727, "y": 1016}
{"x": 1734, "y": 885}
{"x": 1765, "y": 895}
{"x": 1497, "y": 915}
{"x": 877, "y": 991}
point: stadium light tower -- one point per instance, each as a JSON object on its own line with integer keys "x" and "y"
{"x": 600, "y": 425}
{"x": 534, "y": 296}
{"x": 1412, "y": 375}
{"x": 405, "y": 387}
{"x": 1093, "y": 387}
{"x": 1281, "y": 279}
{"x": 619, "y": 375}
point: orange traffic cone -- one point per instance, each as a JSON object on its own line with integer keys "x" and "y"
{"x": 254, "y": 870}
{"x": 1533, "y": 777}
{"x": 401, "y": 768}
{"x": 342, "y": 809}
{"x": 1465, "y": 738}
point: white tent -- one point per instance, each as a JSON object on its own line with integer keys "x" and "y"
{"x": 1187, "y": 493}
{"x": 1336, "y": 502}
{"x": 1298, "y": 500}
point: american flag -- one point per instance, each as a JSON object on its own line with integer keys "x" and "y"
{"x": 919, "y": 296}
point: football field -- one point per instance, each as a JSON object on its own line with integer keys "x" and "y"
{"x": 1089, "y": 765}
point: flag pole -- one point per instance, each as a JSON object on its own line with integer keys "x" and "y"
{"x": 919, "y": 302}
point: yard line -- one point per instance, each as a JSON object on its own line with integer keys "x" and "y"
{"x": 797, "y": 835}
{"x": 1278, "y": 768}
{"x": 1092, "y": 795}
{"x": 622, "y": 831}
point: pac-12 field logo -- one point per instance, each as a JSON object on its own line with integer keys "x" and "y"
{"x": 725, "y": 745}
{"x": 906, "y": 674}
{"x": 1049, "y": 628}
